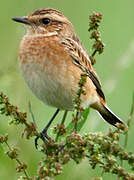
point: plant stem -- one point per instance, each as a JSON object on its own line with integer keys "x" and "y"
{"x": 25, "y": 172}
{"x": 93, "y": 54}
{"x": 18, "y": 161}
{"x": 31, "y": 112}
{"x": 129, "y": 122}
{"x": 76, "y": 121}
{"x": 130, "y": 117}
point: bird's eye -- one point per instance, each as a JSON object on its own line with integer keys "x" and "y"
{"x": 45, "y": 21}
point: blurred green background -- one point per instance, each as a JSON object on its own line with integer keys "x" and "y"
{"x": 115, "y": 68}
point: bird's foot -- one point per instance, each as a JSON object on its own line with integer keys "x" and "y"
{"x": 45, "y": 138}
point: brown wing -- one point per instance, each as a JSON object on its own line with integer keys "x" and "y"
{"x": 81, "y": 59}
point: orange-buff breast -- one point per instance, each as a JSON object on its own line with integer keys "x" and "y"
{"x": 50, "y": 73}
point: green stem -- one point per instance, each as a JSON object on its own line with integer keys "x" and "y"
{"x": 31, "y": 112}
{"x": 25, "y": 172}
{"x": 129, "y": 124}
{"x": 18, "y": 161}
{"x": 76, "y": 121}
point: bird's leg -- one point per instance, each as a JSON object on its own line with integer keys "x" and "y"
{"x": 43, "y": 134}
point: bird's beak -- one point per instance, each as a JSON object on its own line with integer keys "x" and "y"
{"x": 22, "y": 20}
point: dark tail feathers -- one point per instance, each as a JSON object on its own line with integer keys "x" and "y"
{"x": 109, "y": 116}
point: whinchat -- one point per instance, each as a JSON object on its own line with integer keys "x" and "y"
{"x": 52, "y": 59}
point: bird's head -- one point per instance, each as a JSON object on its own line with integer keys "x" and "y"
{"x": 47, "y": 22}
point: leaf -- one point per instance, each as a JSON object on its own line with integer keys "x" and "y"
{"x": 81, "y": 122}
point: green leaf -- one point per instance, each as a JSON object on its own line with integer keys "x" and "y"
{"x": 81, "y": 122}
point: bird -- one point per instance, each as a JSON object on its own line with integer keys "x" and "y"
{"x": 52, "y": 59}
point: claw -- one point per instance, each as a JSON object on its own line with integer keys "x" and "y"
{"x": 45, "y": 138}
{"x": 43, "y": 134}
{"x": 36, "y": 142}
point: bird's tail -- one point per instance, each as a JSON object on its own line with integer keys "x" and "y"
{"x": 109, "y": 116}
